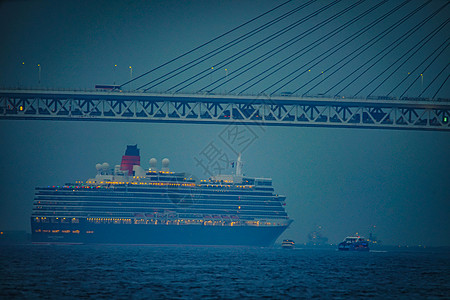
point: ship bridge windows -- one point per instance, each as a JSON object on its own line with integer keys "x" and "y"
{"x": 248, "y": 181}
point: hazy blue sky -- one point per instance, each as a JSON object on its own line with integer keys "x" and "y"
{"x": 346, "y": 180}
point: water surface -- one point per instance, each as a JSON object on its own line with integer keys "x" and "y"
{"x": 138, "y": 272}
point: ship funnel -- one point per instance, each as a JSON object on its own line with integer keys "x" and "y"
{"x": 153, "y": 163}
{"x": 165, "y": 164}
{"x": 130, "y": 159}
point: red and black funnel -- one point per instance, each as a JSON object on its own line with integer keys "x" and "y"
{"x": 130, "y": 159}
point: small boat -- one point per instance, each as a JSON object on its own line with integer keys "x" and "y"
{"x": 354, "y": 243}
{"x": 288, "y": 244}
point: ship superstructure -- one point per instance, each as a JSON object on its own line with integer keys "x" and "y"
{"x": 128, "y": 204}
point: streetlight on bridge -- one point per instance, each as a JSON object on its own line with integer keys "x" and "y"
{"x": 114, "y": 74}
{"x": 39, "y": 73}
{"x": 421, "y": 82}
{"x": 226, "y": 79}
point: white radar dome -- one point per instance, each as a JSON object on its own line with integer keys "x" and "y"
{"x": 165, "y": 163}
{"x": 153, "y": 163}
{"x": 98, "y": 167}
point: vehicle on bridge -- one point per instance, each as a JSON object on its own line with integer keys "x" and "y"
{"x": 107, "y": 87}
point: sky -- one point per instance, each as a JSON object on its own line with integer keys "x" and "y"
{"x": 393, "y": 183}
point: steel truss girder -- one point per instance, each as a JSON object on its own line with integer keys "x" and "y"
{"x": 282, "y": 111}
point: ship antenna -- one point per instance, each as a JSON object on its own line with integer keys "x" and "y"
{"x": 239, "y": 166}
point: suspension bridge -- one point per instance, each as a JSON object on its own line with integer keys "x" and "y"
{"x": 353, "y": 64}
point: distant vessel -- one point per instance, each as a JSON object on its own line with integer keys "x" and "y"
{"x": 129, "y": 205}
{"x": 373, "y": 241}
{"x": 316, "y": 237}
{"x": 288, "y": 244}
{"x": 354, "y": 243}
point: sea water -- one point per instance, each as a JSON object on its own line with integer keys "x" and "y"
{"x": 148, "y": 272}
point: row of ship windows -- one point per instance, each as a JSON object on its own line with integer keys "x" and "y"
{"x": 169, "y": 219}
{"x": 162, "y": 216}
{"x": 56, "y": 220}
{"x": 159, "y": 222}
{"x": 138, "y": 187}
{"x": 129, "y": 208}
{"x": 132, "y": 214}
{"x": 153, "y": 202}
{"x": 112, "y": 192}
{"x": 164, "y": 222}
{"x": 157, "y": 196}
{"x": 60, "y": 231}
{"x": 55, "y": 205}
{"x": 161, "y": 199}
{"x": 182, "y": 222}
{"x": 76, "y": 231}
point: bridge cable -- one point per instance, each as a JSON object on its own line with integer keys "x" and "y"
{"x": 410, "y": 56}
{"x": 280, "y": 48}
{"x": 367, "y": 45}
{"x": 255, "y": 46}
{"x": 335, "y": 48}
{"x": 399, "y": 41}
{"x": 409, "y": 73}
{"x": 224, "y": 47}
{"x": 441, "y": 86}
{"x": 288, "y": 60}
{"x": 434, "y": 59}
{"x": 434, "y": 79}
{"x": 364, "y": 47}
{"x": 207, "y": 43}
{"x": 423, "y": 41}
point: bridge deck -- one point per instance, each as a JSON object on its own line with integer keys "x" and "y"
{"x": 415, "y": 114}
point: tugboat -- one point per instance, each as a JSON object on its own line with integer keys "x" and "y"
{"x": 288, "y": 244}
{"x": 354, "y": 243}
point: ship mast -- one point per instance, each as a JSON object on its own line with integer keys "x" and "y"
{"x": 239, "y": 166}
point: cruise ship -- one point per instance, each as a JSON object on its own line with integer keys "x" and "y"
{"x": 128, "y": 204}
